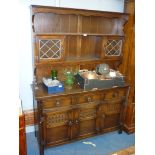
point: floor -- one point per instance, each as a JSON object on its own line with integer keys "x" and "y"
{"x": 128, "y": 151}
{"x": 97, "y": 145}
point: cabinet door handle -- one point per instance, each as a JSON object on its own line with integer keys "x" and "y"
{"x": 89, "y": 99}
{"x": 103, "y": 116}
{"x": 76, "y": 121}
{"x": 57, "y": 104}
{"x": 70, "y": 123}
{"x": 41, "y": 120}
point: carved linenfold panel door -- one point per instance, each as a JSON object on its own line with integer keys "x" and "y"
{"x": 76, "y": 123}
{"x": 108, "y": 115}
{"x": 57, "y": 126}
{"x": 100, "y": 120}
{"x": 87, "y": 118}
{"x": 112, "y": 116}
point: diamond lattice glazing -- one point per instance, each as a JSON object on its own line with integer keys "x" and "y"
{"x": 50, "y": 49}
{"x": 113, "y": 47}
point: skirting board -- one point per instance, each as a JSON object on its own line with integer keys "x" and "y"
{"x": 29, "y": 120}
{"x": 29, "y": 117}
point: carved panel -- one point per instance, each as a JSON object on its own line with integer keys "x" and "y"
{"x": 111, "y": 108}
{"x": 56, "y": 119}
{"x": 112, "y": 120}
{"x": 87, "y": 114}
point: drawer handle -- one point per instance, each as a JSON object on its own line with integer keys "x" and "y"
{"x": 115, "y": 94}
{"x": 57, "y": 103}
{"x": 89, "y": 99}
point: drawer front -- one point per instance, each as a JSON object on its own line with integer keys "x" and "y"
{"x": 88, "y": 97}
{"x": 113, "y": 94}
{"x": 57, "y": 102}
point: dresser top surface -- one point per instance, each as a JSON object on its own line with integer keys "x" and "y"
{"x": 40, "y": 91}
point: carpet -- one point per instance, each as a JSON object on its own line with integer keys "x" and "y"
{"x": 97, "y": 145}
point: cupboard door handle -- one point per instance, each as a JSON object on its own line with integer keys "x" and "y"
{"x": 41, "y": 120}
{"x": 89, "y": 99}
{"x": 57, "y": 103}
{"x": 76, "y": 121}
{"x": 70, "y": 123}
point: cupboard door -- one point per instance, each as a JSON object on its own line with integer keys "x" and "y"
{"x": 87, "y": 119}
{"x": 75, "y": 125}
{"x": 110, "y": 114}
{"x": 57, "y": 127}
{"x": 100, "y": 119}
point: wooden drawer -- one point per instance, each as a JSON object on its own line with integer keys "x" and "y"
{"x": 113, "y": 94}
{"x": 88, "y": 97}
{"x": 57, "y": 102}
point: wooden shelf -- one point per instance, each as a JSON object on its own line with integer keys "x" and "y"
{"x": 78, "y": 34}
{"x": 77, "y": 61}
{"x": 70, "y": 62}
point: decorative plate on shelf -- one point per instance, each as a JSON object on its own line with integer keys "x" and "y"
{"x": 103, "y": 69}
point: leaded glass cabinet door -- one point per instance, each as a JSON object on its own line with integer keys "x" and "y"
{"x": 49, "y": 48}
{"x": 113, "y": 47}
